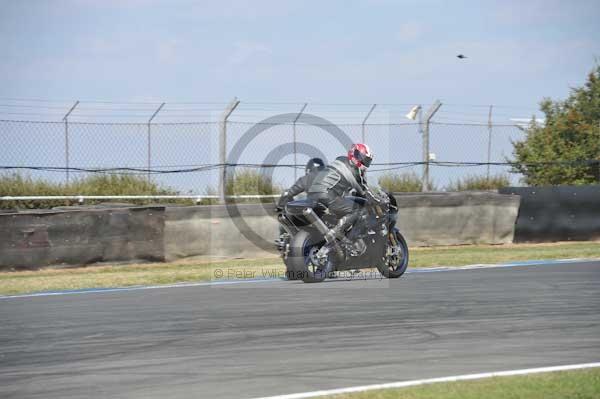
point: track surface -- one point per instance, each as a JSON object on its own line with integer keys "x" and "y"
{"x": 252, "y": 340}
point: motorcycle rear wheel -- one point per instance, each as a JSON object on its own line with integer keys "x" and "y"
{"x": 301, "y": 257}
{"x": 290, "y": 272}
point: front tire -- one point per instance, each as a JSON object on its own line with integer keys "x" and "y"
{"x": 301, "y": 261}
{"x": 396, "y": 257}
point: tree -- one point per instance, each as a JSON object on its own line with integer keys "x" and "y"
{"x": 569, "y": 139}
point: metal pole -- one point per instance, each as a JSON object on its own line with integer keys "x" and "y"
{"x": 420, "y": 127}
{"x": 67, "y": 152}
{"x": 489, "y": 154}
{"x": 365, "y": 121}
{"x": 430, "y": 113}
{"x": 223, "y": 148}
{"x": 294, "y": 140}
{"x": 425, "y": 185}
{"x": 149, "y": 139}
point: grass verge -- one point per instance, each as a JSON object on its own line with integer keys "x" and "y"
{"x": 186, "y": 271}
{"x": 581, "y": 384}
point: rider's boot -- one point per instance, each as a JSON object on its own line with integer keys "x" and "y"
{"x": 336, "y": 238}
{"x": 339, "y": 231}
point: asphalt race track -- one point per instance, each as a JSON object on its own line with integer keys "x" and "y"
{"x": 259, "y": 339}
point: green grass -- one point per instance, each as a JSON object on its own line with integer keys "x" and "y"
{"x": 473, "y": 254}
{"x": 17, "y": 282}
{"x": 581, "y": 384}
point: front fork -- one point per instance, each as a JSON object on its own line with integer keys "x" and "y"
{"x": 392, "y": 236}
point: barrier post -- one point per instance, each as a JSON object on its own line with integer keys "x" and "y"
{"x": 294, "y": 140}
{"x": 365, "y": 121}
{"x": 489, "y": 154}
{"x": 223, "y": 148}
{"x": 67, "y": 150}
{"x": 430, "y": 113}
{"x": 149, "y": 139}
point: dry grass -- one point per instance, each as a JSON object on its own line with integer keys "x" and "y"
{"x": 124, "y": 275}
{"x": 135, "y": 274}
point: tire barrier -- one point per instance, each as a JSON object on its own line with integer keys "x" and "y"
{"x": 561, "y": 213}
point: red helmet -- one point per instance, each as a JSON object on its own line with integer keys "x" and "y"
{"x": 360, "y": 155}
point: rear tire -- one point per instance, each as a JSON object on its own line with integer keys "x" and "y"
{"x": 283, "y": 246}
{"x": 300, "y": 259}
{"x": 395, "y": 265}
{"x": 290, "y": 272}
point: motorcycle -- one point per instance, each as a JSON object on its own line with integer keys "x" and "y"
{"x": 373, "y": 241}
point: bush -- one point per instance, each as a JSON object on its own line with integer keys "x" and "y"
{"x": 245, "y": 182}
{"x": 569, "y": 139}
{"x": 474, "y": 183}
{"x": 408, "y": 182}
{"x": 16, "y": 184}
{"x": 250, "y": 182}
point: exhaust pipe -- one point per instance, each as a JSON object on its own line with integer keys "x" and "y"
{"x": 285, "y": 224}
{"x": 316, "y": 221}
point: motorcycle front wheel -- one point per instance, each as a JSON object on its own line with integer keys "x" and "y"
{"x": 395, "y": 260}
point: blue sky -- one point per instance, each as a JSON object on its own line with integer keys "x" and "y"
{"x": 322, "y": 52}
{"x": 371, "y": 51}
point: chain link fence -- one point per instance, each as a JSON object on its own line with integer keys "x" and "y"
{"x": 185, "y": 156}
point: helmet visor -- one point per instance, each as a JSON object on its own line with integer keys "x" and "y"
{"x": 366, "y": 160}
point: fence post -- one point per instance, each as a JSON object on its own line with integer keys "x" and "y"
{"x": 430, "y": 113}
{"x": 489, "y": 154}
{"x": 149, "y": 139}
{"x": 294, "y": 140}
{"x": 223, "y": 148}
{"x": 67, "y": 151}
{"x": 365, "y": 121}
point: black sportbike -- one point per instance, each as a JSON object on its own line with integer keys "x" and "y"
{"x": 373, "y": 241}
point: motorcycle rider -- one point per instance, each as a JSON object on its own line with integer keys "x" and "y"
{"x": 313, "y": 167}
{"x": 330, "y": 187}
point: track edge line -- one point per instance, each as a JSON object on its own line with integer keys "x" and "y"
{"x": 403, "y": 384}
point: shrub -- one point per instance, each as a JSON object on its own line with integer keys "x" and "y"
{"x": 245, "y": 182}
{"x": 111, "y": 184}
{"x": 408, "y": 182}
{"x": 17, "y": 184}
{"x": 565, "y": 149}
{"x": 474, "y": 182}
{"x": 249, "y": 182}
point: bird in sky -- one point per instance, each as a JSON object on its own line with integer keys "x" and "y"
{"x": 461, "y": 56}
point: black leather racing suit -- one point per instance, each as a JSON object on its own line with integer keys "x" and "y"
{"x": 301, "y": 185}
{"x": 330, "y": 187}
